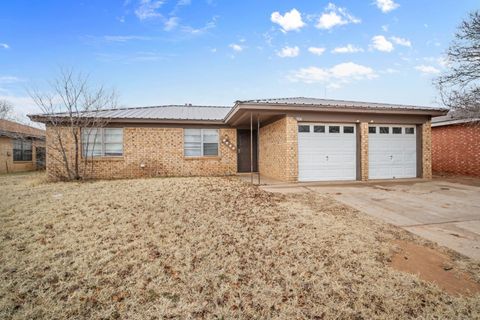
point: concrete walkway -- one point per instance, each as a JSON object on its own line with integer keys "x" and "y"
{"x": 444, "y": 211}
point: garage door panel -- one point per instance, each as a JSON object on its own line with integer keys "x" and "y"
{"x": 392, "y": 155}
{"x": 324, "y": 156}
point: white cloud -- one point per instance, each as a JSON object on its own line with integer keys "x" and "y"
{"x": 236, "y": 47}
{"x": 9, "y": 79}
{"x": 4, "y": 46}
{"x": 334, "y": 16}
{"x": 22, "y": 105}
{"x": 401, "y": 41}
{"x": 316, "y": 50}
{"x": 349, "y": 48}
{"x": 171, "y": 24}
{"x": 387, "y": 5}
{"x": 290, "y": 21}
{"x": 380, "y": 43}
{"x": 390, "y": 71}
{"x": 124, "y": 38}
{"x": 289, "y": 52}
{"x": 336, "y": 76}
{"x": 148, "y": 9}
{"x": 385, "y": 28}
{"x": 424, "y": 69}
{"x": 197, "y": 31}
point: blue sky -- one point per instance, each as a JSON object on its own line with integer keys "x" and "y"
{"x": 215, "y": 52}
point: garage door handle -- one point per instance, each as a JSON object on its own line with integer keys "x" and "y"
{"x": 391, "y": 157}
{"x": 326, "y": 157}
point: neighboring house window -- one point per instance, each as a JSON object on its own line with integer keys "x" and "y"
{"x": 200, "y": 142}
{"x": 22, "y": 150}
{"x": 102, "y": 142}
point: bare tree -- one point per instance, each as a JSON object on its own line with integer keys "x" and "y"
{"x": 6, "y": 109}
{"x": 70, "y": 112}
{"x": 459, "y": 86}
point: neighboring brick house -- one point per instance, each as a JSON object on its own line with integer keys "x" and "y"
{"x": 456, "y": 146}
{"x": 22, "y": 148}
{"x": 289, "y": 139}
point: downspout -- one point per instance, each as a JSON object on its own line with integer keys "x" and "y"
{"x": 258, "y": 147}
{"x": 251, "y": 147}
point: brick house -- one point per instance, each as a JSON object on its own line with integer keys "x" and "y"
{"x": 22, "y": 148}
{"x": 289, "y": 139}
{"x": 456, "y": 146}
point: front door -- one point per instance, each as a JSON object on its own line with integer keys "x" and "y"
{"x": 244, "y": 150}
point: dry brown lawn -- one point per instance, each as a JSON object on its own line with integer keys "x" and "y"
{"x": 213, "y": 248}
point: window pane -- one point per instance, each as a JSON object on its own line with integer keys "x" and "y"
{"x": 91, "y": 135}
{"x": 348, "y": 129}
{"x": 303, "y": 128}
{"x": 17, "y": 150}
{"x": 192, "y": 145}
{"x": 397, "y": 130}
{"x": 372, "y": 129}
{"x": 384, "y": 129}
{"x": 193, "y": 152}
{"x": 113, "y": 135}
{"x": 113, "y": 149}
{"x": 27, "y": 155}
{"x": 334, "y": 129}
{"x": 210, "y": 136}
{"x": 17, "y": 155}
{"x": 210, "y": 149}
{"x": 92, "y": 149}
{"x": 319, "y": 129}
{"x": 193, "y": 135}
{"x": 409, "y": 130}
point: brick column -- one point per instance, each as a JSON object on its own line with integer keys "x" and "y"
{"x": 363, "y": 151}
{"x": 427, "y": 150}
{"x": 292, "y": 149}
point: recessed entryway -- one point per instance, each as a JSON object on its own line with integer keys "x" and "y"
{"x": 326, "y": 151}
{"x": 245, "y": 141}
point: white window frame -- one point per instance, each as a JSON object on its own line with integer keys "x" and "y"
{"x": 201, "y": 143}
{"x": 102, "y": 143}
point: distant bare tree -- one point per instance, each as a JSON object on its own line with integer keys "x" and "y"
{"x": 6, "y": 109}
{"x": 70, "y": 111}
{"x": 459, "y": 86}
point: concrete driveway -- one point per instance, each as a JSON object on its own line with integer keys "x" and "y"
{"x": 444, "y": 211}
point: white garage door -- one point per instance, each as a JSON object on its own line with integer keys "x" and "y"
{"x": 326, "y": 152}
{"x": 392, "y": 152}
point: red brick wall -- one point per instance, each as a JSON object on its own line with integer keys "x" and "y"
{"x": 456, "y": 150}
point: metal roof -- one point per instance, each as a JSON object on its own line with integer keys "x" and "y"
{"x": 169, "y": 112}
{"x": 449, "y": 119}
{"x": 303, "y": 101}
{"x": 190, "y": 112}
{"x": 14, "y": 129}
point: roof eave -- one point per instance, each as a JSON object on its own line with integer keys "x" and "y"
{"x": 300, "y": 107}
{"x": 46, "y": 120}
